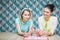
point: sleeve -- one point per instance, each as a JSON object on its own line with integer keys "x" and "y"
{"x": 54, "y": 25}
{"x": 17, "y": 21}
{"x": 40, "y": 23}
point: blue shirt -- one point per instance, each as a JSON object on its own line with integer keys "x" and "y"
{"x": 24, "y": 26}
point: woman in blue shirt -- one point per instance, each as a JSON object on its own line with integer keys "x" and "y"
{"x": 24, "y": 23}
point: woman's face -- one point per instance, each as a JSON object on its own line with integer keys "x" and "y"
{"x": 26, "y": 15}
{"x": 47, "y": 12}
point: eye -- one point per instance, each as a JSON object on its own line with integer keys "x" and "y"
{"x": 28, "y": 14}
{"x": 25, "y": 14}
{"x": 46, "y": 11}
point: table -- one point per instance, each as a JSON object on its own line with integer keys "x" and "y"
{"x": 36, "y": 38}
{"x": 14, "y": 36}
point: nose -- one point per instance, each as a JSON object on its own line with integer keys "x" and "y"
{"x": 28, "y": 16}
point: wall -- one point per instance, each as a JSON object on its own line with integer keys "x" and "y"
{"x": 10, "y": 10}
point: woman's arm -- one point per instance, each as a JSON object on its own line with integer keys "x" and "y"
{"x": 42, "y": 33}
{"x": 30, "y": 30}
{"x": 19, "y": 30}
{"x": 25, "y": 33}
{"x": 53, "y": 27}
{"x": 40, "y": 23}
{"x": 47, "y": 33}
{"x": 18, "y": 27}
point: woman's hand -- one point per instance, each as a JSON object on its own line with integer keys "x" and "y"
{"x": 47, "y": 33}
{"x": 20, "y": 33}
{"x": 31, "y": 29}
{"x": 39, "y": 32}
{"x": 25, "y": 34}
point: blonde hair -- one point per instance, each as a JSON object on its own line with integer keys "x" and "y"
{"x": 25, "y": 9}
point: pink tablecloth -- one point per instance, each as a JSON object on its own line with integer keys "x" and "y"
{"x": 36, "y": 38}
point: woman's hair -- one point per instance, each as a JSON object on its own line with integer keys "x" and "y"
{"x": 25, "y": 9}
{"x": 50, "y": 6}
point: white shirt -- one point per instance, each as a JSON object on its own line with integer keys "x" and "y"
{"x": 52, "y": 23}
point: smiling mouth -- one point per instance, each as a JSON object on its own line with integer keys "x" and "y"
{"x": 45, "y": 15}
